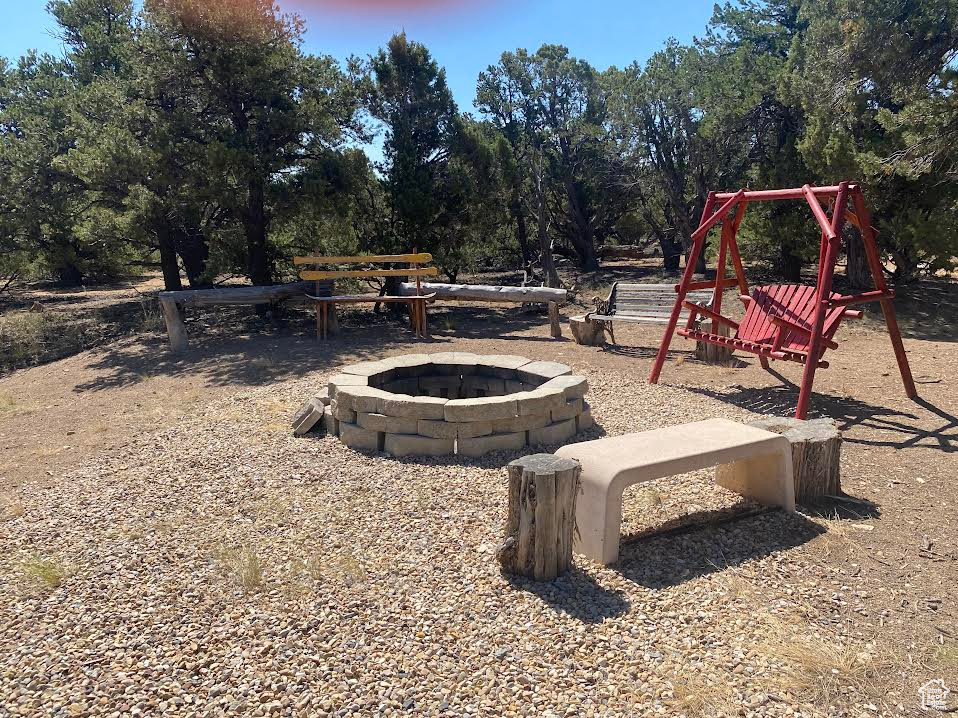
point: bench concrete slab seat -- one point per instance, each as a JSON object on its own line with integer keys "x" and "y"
{"x": 760, "y": 469}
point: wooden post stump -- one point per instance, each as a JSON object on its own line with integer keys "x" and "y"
{"x": 816, "y": 454}
{"x": 541, "y": 519}
{"x": 713, "y": 353}
{"x": 554, "y": 327}
{"x": 587, "y": 332}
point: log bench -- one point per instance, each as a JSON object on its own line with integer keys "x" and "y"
{"x": 640, "y": 304}
{"x": 173, "y": 303}
{"x": 495, "y": 293}
{"x": 758, "y": 465}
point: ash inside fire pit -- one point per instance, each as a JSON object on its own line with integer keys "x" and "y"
{"x": 455, "y": 403}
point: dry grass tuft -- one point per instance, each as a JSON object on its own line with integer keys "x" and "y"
{"x": 822, "y": 671}
{"x": 650, "y": 498}
{"x": 10, "y": 508}
{"x": 737, "y": 586}
{"x": 344, "y": 567}
{"x": 693, "y": 696}
{"x": 314, "y": 567}
{"x": 946, "y": 657}
{"x": 41, "y": 573}
{"x": 243, "y": 564}
{"x": 10, "y": 405}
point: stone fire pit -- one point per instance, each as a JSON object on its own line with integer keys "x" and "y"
{"x": 455, "y": 403}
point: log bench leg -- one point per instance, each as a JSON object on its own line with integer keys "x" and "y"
{"x": 175, "y": 328}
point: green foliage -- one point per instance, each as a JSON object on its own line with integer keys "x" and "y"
{"x": 552, "y": 109}
{"x": 437, "y": 166}
{"x": 886, "y": 113}
{"x": 199, "y": 135}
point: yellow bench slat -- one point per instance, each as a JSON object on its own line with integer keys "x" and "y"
{"x": 421, "y": 258}
{"x": 314, "y": 275}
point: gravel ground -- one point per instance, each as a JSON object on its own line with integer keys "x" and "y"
{"x": 218, "y": 566}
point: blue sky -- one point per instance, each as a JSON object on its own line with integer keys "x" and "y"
{"x": 464, "y": 37}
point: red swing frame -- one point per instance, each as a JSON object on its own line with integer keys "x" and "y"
{"x": 731, "y": 209}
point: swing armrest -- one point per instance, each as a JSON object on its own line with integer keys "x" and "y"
{"x": 699, "y": 309}
{"x": 853, "y": 314}
{"x": 804, "y": 331}
{"x": 745, "y": 299}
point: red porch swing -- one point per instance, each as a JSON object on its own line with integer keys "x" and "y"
{"x": 785, "y": 321}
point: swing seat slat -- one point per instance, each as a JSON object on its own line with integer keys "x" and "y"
{"x": 778, "y": 320}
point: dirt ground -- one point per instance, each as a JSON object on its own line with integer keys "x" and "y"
{"x": 891, "y": 550}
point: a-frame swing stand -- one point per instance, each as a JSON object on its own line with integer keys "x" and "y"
{"x": 787, "y": 322}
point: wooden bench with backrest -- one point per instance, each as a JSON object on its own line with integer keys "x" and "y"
{"x": 326, "y": 301}
{"x": 640, "y": 304}
{"x": 756, "y": 464}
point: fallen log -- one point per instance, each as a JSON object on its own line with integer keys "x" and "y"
{"x": 623, "y": 251}
{"x": 486, "y": 292}
{"x": 240, "y": 295}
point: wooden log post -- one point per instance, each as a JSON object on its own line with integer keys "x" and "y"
{"x": 554, "y": 327}
{"x": 541, "y": 516}
{"x": 714, "y": 353}
{"x": 587, "y": 332}
{"x": 816, "y": 454}
{"x": 175, "y": 328}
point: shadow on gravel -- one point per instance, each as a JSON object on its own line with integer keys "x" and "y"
{"x": 842, "y": 508}
{"x": 676, "y": 354}
{"x": 576, "y": 594}
{"x": 902, "y": 429}
{"x": 232, "y": 345}
{"x": 670, "y": 560}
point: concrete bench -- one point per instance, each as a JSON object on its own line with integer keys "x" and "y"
{"x": 759, "y": 467}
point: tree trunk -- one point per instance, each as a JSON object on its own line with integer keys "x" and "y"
{"x": 522, "y": 232}
{"x": 857, "y": 271}
{"x": 545, "y": 244}
{"x": 581, "y": 237}
{"x": 254, "y": 223}
{"x": 164, "y": 238}
{"x": 588, "y": 259}
{"x": 671, "y": 252}
{"x": 700, "y": 266}
{"x": 392, "y": 287}
{"x": 194, "y": 252}
{"x": 541, "y": 516}
{"x": 790, "y": 264}
{"x": 68, "y": 275}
